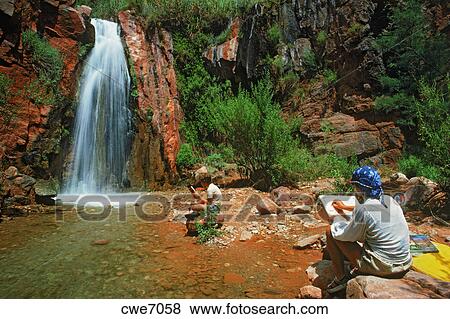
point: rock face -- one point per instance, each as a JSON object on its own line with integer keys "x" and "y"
{"x": 340, "y": 117}
{"x": 16, "y": 191}
{"x": 221, "y": 59}
{"x": 157, "y": 140}
{"x": 413, "y": 286}
{"x": 34, "y": 137}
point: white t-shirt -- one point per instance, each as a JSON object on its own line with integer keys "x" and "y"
{"x": 213, "y": 192}
{"x": 383, "y": 230}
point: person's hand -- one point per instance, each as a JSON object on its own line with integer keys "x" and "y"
{"x": 338, "y": 204}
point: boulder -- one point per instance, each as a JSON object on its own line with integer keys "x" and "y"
{"x": 200, "y": 173}
{"x": 266, "y": 206}
{"x": 84, "y": 10}
{"x": 302, "y": 209}
{"x": 221, "y": 59}
{"x": 307, "y": 242}
{"x": 399, "y": 178}
{"x": 7, "y": 7}
{"x": 320, "y": 274}
{"x": 310, "y": 292}
{"x": 281, "y": 195}
{"x": 413, "y": 286}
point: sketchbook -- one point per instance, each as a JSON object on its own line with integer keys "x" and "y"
{"x": 331, "y": 213}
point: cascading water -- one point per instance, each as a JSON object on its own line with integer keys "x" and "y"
{"x": 103, "y": 119}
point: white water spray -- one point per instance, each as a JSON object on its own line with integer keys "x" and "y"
{"x": 103, "y": 119}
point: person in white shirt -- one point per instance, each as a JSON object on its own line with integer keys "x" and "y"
{"x": 378, "y": 224}
{"x": 213, "y": 197}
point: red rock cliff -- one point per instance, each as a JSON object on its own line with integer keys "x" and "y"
{"x": 157, "y": 142}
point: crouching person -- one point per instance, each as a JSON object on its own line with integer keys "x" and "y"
{"x": 378, "y": 224}
{"x": 207, "y": 209}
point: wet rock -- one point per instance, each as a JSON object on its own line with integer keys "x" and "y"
{"x": 412, "y": 286}
{"x": 310, "y": 292}
{"x": 307, "y": 242}
{"x": 245, "y": 235}
{"x": 266, "y": 206}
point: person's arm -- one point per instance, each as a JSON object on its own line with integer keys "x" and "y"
{"x": 354, "y": 230}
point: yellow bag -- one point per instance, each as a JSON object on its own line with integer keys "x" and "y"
{"x": 436, "y": 265}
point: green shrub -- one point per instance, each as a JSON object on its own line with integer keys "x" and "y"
{"x": 5, "y": 85}
{"x": 298, "y": 164}
{"x": 274, "y": 34}
{"x": 186, "y": 157}
{"x": 400, "y": 103}
{"x": 412, "y": 166}
{"x": 321, "y": 37}
{"x": 355, "y": 28}
{"x": 433, "y": 118}
{"x": 7, "y": 111}
{"x": 207, "y": 231}
{"x": 251, "y": 124}
{"x": 310, "y": 62}
{"x": 329, "y": 76}
{"x": 193, "y": 12}
{"x": 215, "y": 161}
{"x": 105, "y": 9}
{"x": 412, "y": 50}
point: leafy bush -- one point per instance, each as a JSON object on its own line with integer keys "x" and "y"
{"x": 192, "y": 12}
{"x": 207, "y": 231}
{"x": 412, "y": 166}
{"x": 215, "y": 160}
{"x": 5, "y": 84}
{"x": 251, "y": 124}
{"x": 321, "y": 37}
{"x": 329, "y": 76}
{"x": 412, "y": 50}
{"x": 433, "y": 118}
{"x": 310, "y": 61}
{"x": 104, "y": 9}
{"x": 186, "y": 157}
{"x": 274, "y": 34}
{"x": 7, "y": 111}
{"x": 47, "y": 59}
{"x": 355, "y": 28}
{"x": 299, "y": 164}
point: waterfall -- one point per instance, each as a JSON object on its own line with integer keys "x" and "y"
{"x": 103, "y": 119}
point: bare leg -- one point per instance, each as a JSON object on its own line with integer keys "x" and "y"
{"x": 198, "y": 207}
{"x": 338, "y": 250}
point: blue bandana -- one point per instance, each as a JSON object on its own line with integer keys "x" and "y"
{"x": 369, "y": 180}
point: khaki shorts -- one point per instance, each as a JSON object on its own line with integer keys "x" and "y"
{"x": 370, "y": 264}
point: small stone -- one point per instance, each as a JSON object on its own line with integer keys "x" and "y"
{"x": 306, "y": 242}
{"x": 302, "y": 209}
{"x": 227, "y": 265}
{"x": 266, "y": 206}
{"x": 100, "y": 242}
{"x": 245, "y": 235}
{"x": 310, "y": 292}
{"x": 232, "y": 278}
{"x": 447, "y": 239}
{"x": 367, "y": 86}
